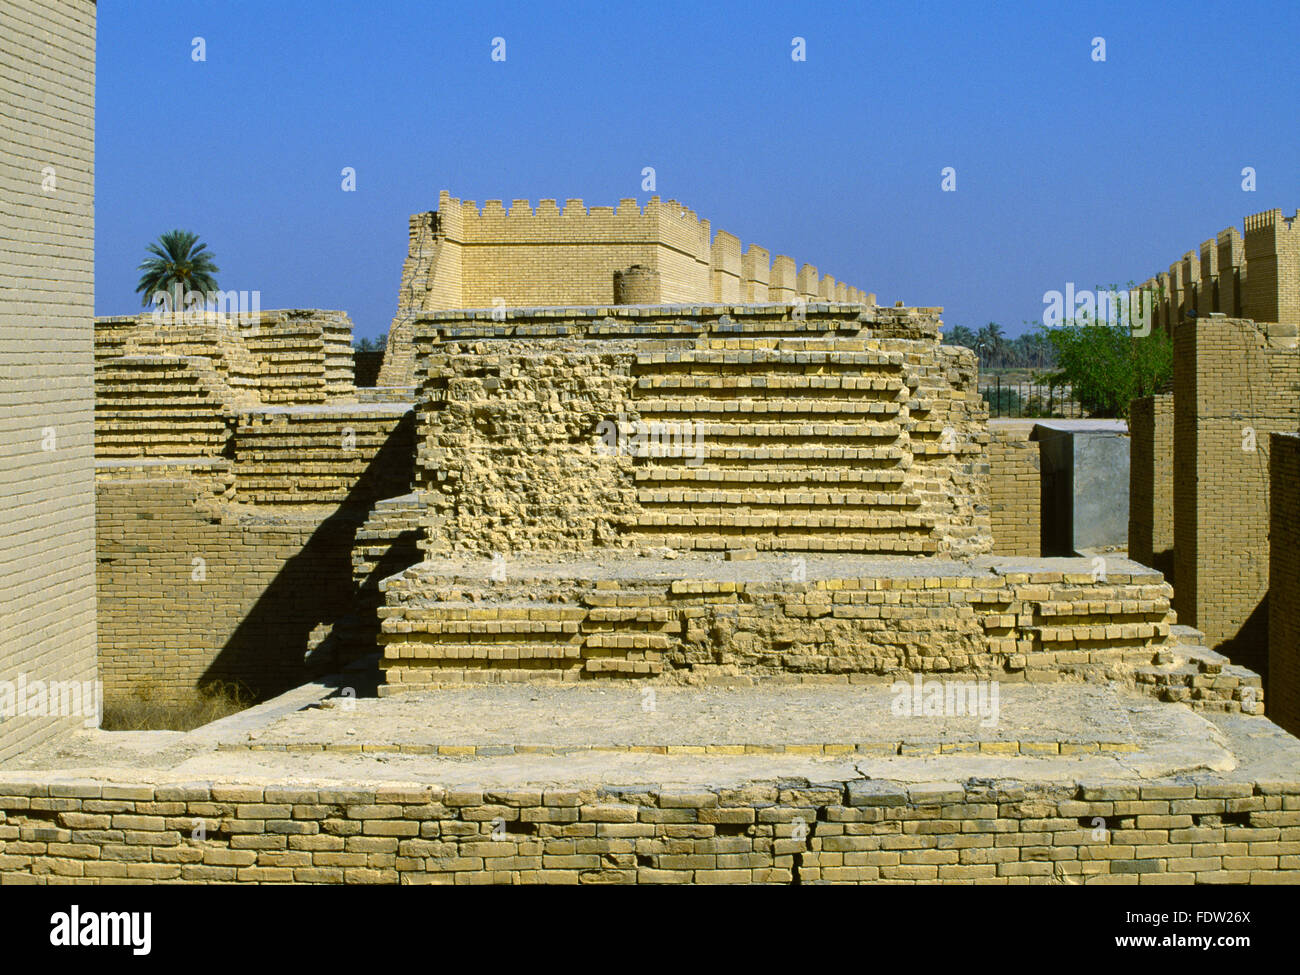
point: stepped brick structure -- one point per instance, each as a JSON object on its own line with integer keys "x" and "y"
{"x": 642, "y": 491}
{"x": 237, "y": 469}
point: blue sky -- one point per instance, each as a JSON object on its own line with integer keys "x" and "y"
{"x": 1067, "y": 169}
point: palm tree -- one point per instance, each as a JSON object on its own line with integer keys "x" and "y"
{"x": 990, "y": 344}
{"x": 177, "y": 264}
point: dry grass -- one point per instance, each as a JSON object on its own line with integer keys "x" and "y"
{"x": 147, "y": 709}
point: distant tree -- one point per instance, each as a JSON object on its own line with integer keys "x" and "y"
{"x": 990, "y": 344}
{"x": 177, "y": 263}
{"x": 368, "y": 344}
{"x": 995, "y": 351}
{"x": 960, "y": 335}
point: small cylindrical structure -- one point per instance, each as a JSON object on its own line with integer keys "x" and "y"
{"x": 636, "y": 285}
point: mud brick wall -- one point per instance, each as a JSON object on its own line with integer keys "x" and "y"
{"x": 861, "y": 831}
{"x": 1284, "y": 582}
{"x": 47, "y": 580}
{"x": 1034, "y": 625}
{"x": 1235, "y": 382}
{"x": 1151, "y": 483}
{"x": 853, "y": 438}
{"x": 461, "y": 256}
{"x": 279, "y": 357}
{"x": 1015, "y": 489}
{"x": 263, "y": 594}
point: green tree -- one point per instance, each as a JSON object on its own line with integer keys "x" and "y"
{"x": 1106, "y": 367}
{"x": 177, "y": 264}
{"x": 368, "y": 344}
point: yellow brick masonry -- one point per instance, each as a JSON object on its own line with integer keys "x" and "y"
{"x": 1016, "y": 626}
{"x": 831, "y": 430}
{"x": 1235, "y": 382}
{"x": 1151, "y": 482}
{"x": 462, "y": 257}
{"x": 47, "y": 566}
{"x": 1212, "y": 830}
{"x": 1015, "y": 488}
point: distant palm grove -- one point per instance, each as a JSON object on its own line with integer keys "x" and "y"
{"x": 995, "y": 351}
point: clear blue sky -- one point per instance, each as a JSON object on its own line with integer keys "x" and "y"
{"x": 1067, "y": 169}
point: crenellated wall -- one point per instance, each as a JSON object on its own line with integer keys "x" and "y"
{"x": 1255, "y": 276}
{"x": 461, "y": 256}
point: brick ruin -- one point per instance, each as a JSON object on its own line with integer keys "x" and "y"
{"x": 1201, "y": 481}
{"x": 239, "y": 477}
{"x": 787, "y": 495}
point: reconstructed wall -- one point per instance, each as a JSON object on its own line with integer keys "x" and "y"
{"x": 47, "y": 575}
{"x": 189, "y": 595}
{"x": 1235, "y": 382}
{"x": 1255, "y": 275}
{"x": 1284, "y": 580}
{"x": 462, "y": 257}
{"x": 1167, "y": 831}
{"x": 1151, "y": 483}
{"x": 1015, "y": 488}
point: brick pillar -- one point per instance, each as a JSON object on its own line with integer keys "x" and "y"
{"x": 1232, "y": 261}
{"x": 1235, "y": 382}
{"x": 1151, "y": 482}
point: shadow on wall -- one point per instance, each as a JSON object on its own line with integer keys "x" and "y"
{"x": 1248, "y": 647}
{"x": 1163, "y": 562}
{"x": 367, "y": 366}
{"x": 312, "y": 599}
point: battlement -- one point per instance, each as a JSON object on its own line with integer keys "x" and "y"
{"x": 1254, "y": 275}
{"x": 466, "y": 256}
